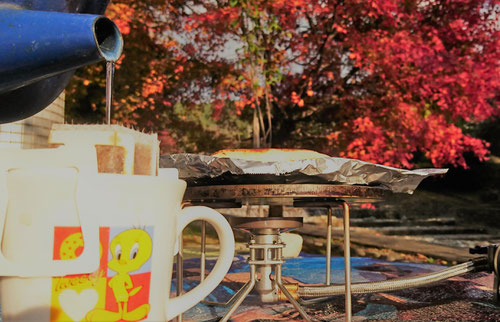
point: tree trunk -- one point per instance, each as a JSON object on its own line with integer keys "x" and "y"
{"x": 256, "y": 130}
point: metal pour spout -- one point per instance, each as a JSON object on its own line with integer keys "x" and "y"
{"x": 39, "y": 45}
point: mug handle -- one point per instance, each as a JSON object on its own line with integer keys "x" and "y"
{"x": 177, "y": 305}
{"x": 87, "y": 262}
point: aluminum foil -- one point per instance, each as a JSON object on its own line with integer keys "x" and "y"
{"x": 199, "y": 169}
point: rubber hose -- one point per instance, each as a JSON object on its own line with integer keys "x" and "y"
{"x": 389, "y": 285}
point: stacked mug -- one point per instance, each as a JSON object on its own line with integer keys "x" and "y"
{"x": 77, "y": 245}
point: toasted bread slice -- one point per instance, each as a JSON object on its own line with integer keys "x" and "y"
{"x": 269, "y": 155}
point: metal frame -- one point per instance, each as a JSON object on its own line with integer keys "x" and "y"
{"x": 235, "y": 301}
{"x": 203, "y": 250}
{"x": 180, "y": 273}
{"x": 298, "y": 195}
{"x": 329, "y": 246}
{"x": 347, "y": 263}
{"x": 272, "y": 259}
{"x": 228, "y": 196}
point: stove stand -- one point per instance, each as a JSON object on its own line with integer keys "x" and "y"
{"x": 296, "y": 195}
{"x": 266, "y": 258}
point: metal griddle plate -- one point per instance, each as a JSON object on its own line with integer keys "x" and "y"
{"x": 282, "y": 194}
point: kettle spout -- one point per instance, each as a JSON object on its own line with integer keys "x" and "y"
{"x": 38, "y": 46}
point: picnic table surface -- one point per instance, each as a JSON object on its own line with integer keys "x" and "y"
{"x": 467, "y": 297}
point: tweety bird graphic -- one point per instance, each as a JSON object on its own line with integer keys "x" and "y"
{"x": 130, "y": 250}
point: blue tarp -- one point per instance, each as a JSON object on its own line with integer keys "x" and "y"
{"x": 462, "y": 298}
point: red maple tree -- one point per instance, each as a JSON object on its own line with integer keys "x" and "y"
{"x": 386, "y": 81}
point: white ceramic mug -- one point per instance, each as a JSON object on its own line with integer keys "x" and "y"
{"x": 129, "y": 225}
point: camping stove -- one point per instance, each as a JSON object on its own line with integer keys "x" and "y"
{"x": 265, "y": 246}
{"x": 266, "y": 257}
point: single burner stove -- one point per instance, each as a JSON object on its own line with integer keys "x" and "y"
{"x": 266, "y": 258}
{"x": 266, "y": 230}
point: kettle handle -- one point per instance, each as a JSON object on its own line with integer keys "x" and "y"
{"x": 88, "y": 261}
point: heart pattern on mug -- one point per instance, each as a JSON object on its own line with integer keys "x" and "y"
{"x": 77, "y": 305}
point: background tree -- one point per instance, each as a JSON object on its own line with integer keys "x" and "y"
{"x": 155, "y": 85}
{"x": 387, "y": 81}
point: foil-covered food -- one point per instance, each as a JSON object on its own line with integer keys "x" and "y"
{"x": 199, "y": 170}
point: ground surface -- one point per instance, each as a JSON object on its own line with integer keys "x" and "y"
{"x": 464, "y": 298}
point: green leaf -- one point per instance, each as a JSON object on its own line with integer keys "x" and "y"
{"x": 234, "y": 23}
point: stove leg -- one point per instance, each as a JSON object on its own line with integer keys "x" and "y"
{"x": 329, "y": 246}
{"x": 295, "y": 304}
{"x": 230, "y": 301}
{"x": 203, "y": 249}
{"x": 347, "y": 263}
{"x": 202, "y": 270}
{"x": 268, "y": 247}
{"x": 290, "y": 298}
{"x": 244, "y": 292}
{"x": 180, "y": 273}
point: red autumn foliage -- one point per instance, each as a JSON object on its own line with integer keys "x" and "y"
{"x": 380, "y": 80}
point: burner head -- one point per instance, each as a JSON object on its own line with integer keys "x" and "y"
{"x": 250, "y": 223}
